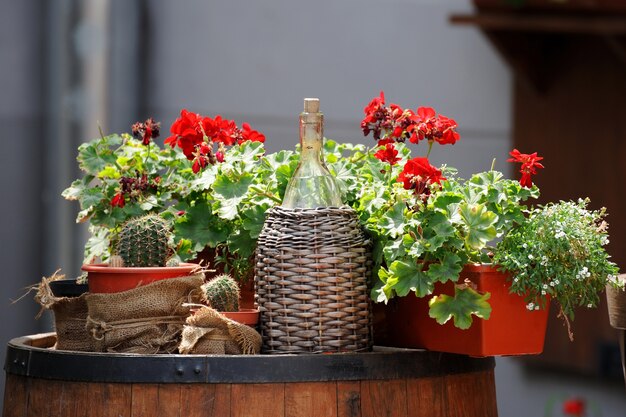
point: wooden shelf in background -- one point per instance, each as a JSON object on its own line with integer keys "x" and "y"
{"x": 534, "y": 45}
{"x": 569, "y": 104}
{"x": 614, "y": 25}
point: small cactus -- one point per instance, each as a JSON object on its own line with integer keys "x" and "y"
{"x": 144, "y": 241}
{"x": 222, "y": 293}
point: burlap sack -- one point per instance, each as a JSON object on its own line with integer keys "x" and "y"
{"x": 70, "y": 317}
{"x": 148, "y": 319}
{"x": 210, "y": 333}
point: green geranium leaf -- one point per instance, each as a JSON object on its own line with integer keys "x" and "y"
{"x": 254, "y": 218}
{"x": 200, "y": 226}
{"x": 384, "y": 292}
{"x": 438, "y": 231}
{"x": 241, "y": 243}
{"x": 205, "y": 179}
{"x": 393, "y": 220}
{"x": 449, "y": 268}
{"x": 445, "y": 199}
{"x": 394, "y": 249}
{"x": 406, "y": 277}
{"x": 75, "y": 190}
{"x": 97, "y": 246}
{"x": 91, "y": 197}
{"x": 480, "y": 224}
{"x": 149, "y": 203}
{"x": 230, "y": 192}
{"x": 465, "y": 303}
{"x": 94, "y": 156}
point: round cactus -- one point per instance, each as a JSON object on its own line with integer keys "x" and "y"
{"x": 222, "y": 293}
{"x": 144, "y": 241}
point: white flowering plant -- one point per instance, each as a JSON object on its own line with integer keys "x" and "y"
{"x": 558, "y": 252}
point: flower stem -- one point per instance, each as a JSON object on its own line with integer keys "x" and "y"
{"x": 430, "y": 147}
{"x": 493, "y": 164}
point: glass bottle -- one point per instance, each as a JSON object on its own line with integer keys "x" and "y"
{"x": 312, "y": 184}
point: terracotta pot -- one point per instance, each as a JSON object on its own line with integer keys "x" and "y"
{"x": 105, "y": 279}
{"x": 249, "y": 316}
{"x": 597, "y": 6}
{"x": 511, "y": 330}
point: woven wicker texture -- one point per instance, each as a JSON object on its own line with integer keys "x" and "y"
{"x": 311, "y": 275}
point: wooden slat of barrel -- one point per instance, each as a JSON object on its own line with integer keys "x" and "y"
{"x": 470, "y": 392}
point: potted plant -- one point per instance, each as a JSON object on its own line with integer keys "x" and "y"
{"x": 142, "y": 255}
{"x": 434, "y": 237}
{"x": 222, "y": 294}
{"x": 207, "y": 183}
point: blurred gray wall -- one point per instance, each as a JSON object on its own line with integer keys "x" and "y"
{"x": 66, "y": 66}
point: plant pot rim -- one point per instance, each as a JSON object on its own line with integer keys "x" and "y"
{"x": 102, "y": 267}
{"x": 249, "y": 316}
{"x": 486, "y": 267}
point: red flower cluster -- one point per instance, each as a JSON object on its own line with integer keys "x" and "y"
{"x": 574, "y": 407}
{"x": 419, "y": 175}
{"x": 401, "y": 124}
{"x": 388, "y": 153}
{"x": 196, "y": 135}
{"x": 133, "y": 187}
{"x": 530, "y": 163}
{"x": 146, "y": 131}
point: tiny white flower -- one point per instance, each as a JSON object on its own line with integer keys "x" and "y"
{"x": 525, "y": 246}
{"x": 530, "y": 256}
{"x": 545, "y": 286}
{"x": 543, "y": 292}
{"x": 552, "y": 283}
{"x": 589, "y": 305}
{"x": 530, "y": 306}
{"x": 556, "y": 282}
{"x": 515, "y": 279}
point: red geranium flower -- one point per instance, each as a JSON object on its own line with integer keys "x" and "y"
{"x": 419, "y": 170}
{"x": 118, "y": 200}
{"x": 188, "y": 131}
{"x": 375, "y": 104}
{"x": 388, "y": 154}
{"x": 248, "y": 134}
{"x": 574, "y": 407}
{"x": 446, "y": 133}
{"x": 530, "y": 163}
{"x": 384, "y": 142}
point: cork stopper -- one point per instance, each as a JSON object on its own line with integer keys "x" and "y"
{"x": 311, "y": 105}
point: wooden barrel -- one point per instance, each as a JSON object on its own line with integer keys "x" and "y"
{"x": 386, "y": 382}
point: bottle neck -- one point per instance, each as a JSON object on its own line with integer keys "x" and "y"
{"x": 311, "y": 135}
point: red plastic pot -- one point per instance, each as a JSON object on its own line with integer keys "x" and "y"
{"x": 511, "y": 330}
{"x": 249, "y": 316}
{"x": 105, "y": 279}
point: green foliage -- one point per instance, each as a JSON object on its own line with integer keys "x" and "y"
{"x": 144, "y": 241}
{"x": 222, "y": 206}
{"x": 465, "y": 303}
{"x": 559, "y": 252}
{"x": 420, "y": 243}
{"x": 222, "y": 293}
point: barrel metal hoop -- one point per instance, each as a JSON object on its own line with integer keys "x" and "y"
{"x": 24, "y": 358}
